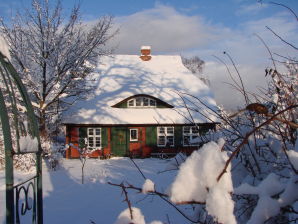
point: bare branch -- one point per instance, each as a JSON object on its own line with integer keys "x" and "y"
{"x": 269, "y": 51}
{"x": 283, "y": 40}
{"x": 286, "y": 8}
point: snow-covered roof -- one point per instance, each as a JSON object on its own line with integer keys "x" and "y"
{"x": 122, "y": 76}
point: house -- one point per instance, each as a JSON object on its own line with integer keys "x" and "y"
{"x": 136, "y": 108}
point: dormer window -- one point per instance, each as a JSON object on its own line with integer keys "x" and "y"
{"x": 141, "y": 102}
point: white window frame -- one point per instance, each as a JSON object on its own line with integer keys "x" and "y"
{"x": 191, "y": 135}
{"x": 95, "y": 137}
{"x": 133, "y": 102}
{"x": 151, "y": 102}
{"x": 165, "y": 135}
{"x": 131, "y": 139}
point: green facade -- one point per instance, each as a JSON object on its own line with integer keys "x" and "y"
{"x": 104, "y": 137}
{"x": 151, "y": 136}
{"x": 178, "y": 136}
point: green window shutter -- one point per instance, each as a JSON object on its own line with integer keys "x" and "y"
{"x": 178, "y": 135}
{"x": 104, "y": 137}
{"x": 82, "y": 136}
{"x": 151, "y": 136}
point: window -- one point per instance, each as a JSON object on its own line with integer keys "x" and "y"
{"x": 152, "y": 103}
{"x": 190, "y": 136}
{"x": 165, "y": 136}
{"x": 141, "y": 102}
{"x": 145, "y": 102}
{"x": 94, "y": 138}
{"x": 133, "y": 135}
{"x": 131, "y": 103}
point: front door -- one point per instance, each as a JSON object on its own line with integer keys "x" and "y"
{"x": 119, "y": 141}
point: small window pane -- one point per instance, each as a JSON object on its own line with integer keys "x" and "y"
{"x": 145, "y": 102}
{"x": 131, "y": 103}
{"x": 161, "y": 140}
{"x": 186, "y": 140}
{"x": 90, "y": 131}
{"x": 170, "y": 130}
{"x": 186, "y": 130}
{"x": 152, "y": 103}
{"x": 90, "y": 142}
{"x": 138, "y": 102}
{"x": 161, "y": 130}
{"x": 194, "y": 130}
{"x": 170, "y": 140}
{"x": 97, "y": 142}
{"x": 191, "y": 136}
{"x": 97, "y": 131}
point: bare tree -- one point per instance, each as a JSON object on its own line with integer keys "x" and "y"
{"x": 54, "y": 56}
{"x": 195, "y": 65}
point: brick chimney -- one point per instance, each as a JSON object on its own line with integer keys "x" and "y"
{"x": 145, "y": 53}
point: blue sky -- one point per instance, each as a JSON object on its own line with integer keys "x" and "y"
{"x": 227, "y": 12}
{"x": 197, "y": 27}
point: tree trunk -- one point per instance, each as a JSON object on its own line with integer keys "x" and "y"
{"x": 42, "y": 125}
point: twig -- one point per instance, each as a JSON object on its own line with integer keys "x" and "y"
{"x": 126, "y": 199}
{"x": 138, "y": 168}
{"x": 163, "y": 171}
{"x": 287, "y": 58}
{"x": 129, "y": 186}
{"x": 239, "y": 76}
{"x": 286, "y": 8}
{"x": 229, "y": 72}
{"x": 269, "y": 51}
{"x": 283, "y": 40}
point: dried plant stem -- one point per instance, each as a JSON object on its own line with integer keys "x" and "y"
{"x": 283, "y": 40}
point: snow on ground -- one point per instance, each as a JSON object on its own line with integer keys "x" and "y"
{"x": 66, "y": 200}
